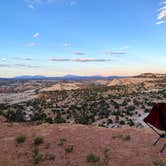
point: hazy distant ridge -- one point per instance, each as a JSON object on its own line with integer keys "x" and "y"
{"x": 66, "y": 77}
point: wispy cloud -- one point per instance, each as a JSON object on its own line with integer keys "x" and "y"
{"x": 23, "y": 58}
{"x": 115, "y": 52}
{"x": 91, "y": 60}
{"x": 79, "y": 53}
{"x": 35, "y": 3}
{"x": 162, "y": 8}
{"x": 79, "y": 60}
{"x": 4, "y": 65}
{"x": 25, "y": 66}
{"x": 27, "y": 59}
{"x": 31, "y": 44}
{"x": 67, "y": 44}
{"x": 19, "y": 66}
{"x": 3, "y": 59}
{"x": 162, "y": 3}
{"x": 162, "y": 14}
{"x": 60, "y": 59}
{"x": 36, "y": 35}
{"x": 161, "y": 18}
{"x": 160, "y": 22}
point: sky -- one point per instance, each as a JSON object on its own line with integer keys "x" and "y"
{"x": 82, "y": 37}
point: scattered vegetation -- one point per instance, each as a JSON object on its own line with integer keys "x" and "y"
{"x": 20, "y": 139}
{"x": 106, "y": 106}
{"x": 92, "y": 158}
{"x": 123, "y": 137}
{"x": 15, "y": 116}
{"x": 38, "y": 140}
{"x": 69, "y": 149}
{"x": 126, "y": 137}
{"x": 37, "y": 157}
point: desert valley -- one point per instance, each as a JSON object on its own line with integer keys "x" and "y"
{"x": 80, "y": 122}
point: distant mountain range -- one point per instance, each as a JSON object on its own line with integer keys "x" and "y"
{"x": 66, "y": 77}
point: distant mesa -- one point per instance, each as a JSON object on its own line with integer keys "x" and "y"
{"x": 151, "y": 75}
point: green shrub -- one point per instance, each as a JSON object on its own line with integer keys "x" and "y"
{"x": 117, "y": 136}
{"x": 109, "y": 121}
{"x": 123, "y": 137}
{"x": 104, "y": 113}
{"x": 131, "y": 108}
{"x": 147, "y": 110}
{"x": 117, "y": 119}
{"x": 92, "y": 158}
{"x": 49, "y": 120}
{"x": 122, "y": 122}
{"x": 150, "y": 104}
{"x": 37, "y": 157}
{"x": 126, "y": 137}
{"x": 38, "y": 116}
{"x": 10, "y": 115}
{"x": 131, "y": 123}
{"x": 69, "y": 149}
{"x": 15, "y": 116}
{"x": 59, "y": 119}
{"x": 38, "y": 140}
{"x": 20, "y": 139}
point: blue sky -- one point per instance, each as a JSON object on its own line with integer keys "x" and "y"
{"x": 83, "y": 37}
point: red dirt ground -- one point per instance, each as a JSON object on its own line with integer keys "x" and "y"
{"x": 138, "y": 151}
